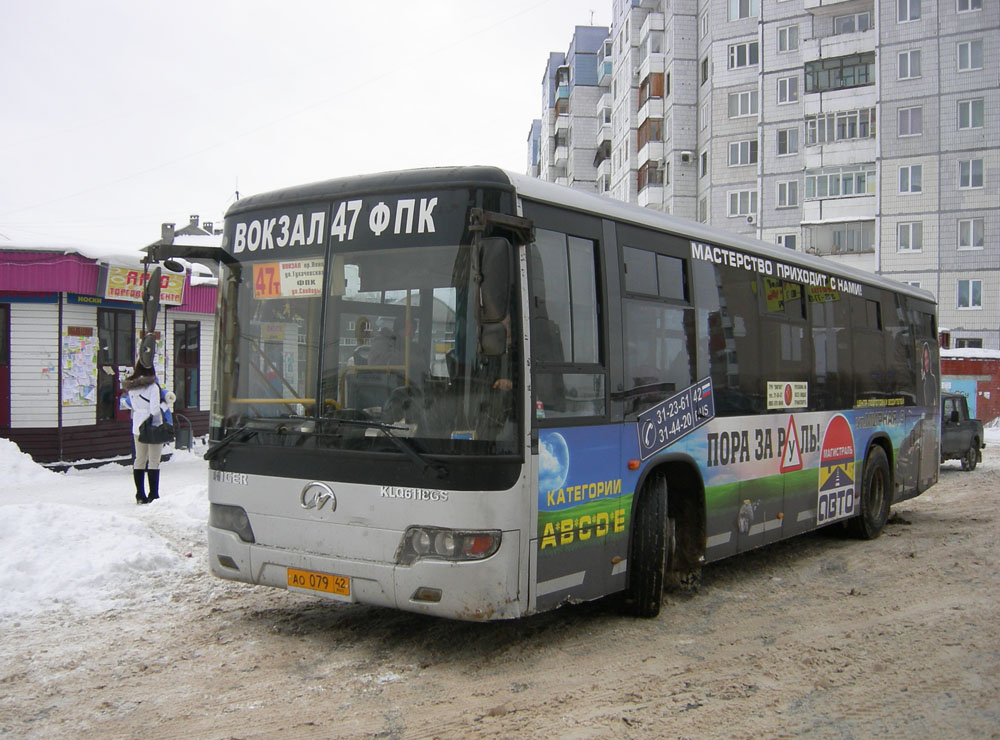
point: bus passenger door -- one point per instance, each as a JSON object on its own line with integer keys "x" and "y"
{"x": 579, "y": 486}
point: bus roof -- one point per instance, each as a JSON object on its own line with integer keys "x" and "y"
{"x": 542, "y": 191}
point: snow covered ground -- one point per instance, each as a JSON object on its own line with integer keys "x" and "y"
{"x": 77, "y": 542}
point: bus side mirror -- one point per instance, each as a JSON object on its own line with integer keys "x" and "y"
{"x": 494, "y": 279}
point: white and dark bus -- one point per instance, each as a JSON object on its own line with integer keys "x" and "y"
{"x": 473, "y": 394}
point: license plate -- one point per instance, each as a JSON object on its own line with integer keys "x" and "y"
{"x": 325, "y": 582}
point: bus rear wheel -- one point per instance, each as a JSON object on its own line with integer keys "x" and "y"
{"x": 651, "y": 549}
{"x": 876, "y": 497}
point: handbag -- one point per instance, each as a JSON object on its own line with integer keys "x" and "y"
{"x": 148, "y": 434}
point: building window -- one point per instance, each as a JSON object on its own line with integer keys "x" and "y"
{"x": 840, "y": 182}
{"x": 788, "y": 194}
{"x": 115, "y": 349}
{"x": 852, "y": 23}
{"x": 703, "y": 166}
{"x": 911, "y": 121}
{"x": 742, "y": 152}
{"x": 651, "y": 87}
{"x": 840, "y": 73}
{"x": 788, "y": 141}
{"x": 743, "y": 203}
{"x": 746, "y": 54}
{"x": 703, "y": 210}
{"x": 971, "y": 233}
{"x": 970, "y": 293}
{"x": 970, "y": 173}
{"x": 970, "y": 113}
{"x": 704, "y": 70}
{"x": 970, "y": 55}
{"x": 964, "y": 6}
{"x": 907, "y": 10}
{"x": 743, "y": 104}
{"x": 910, "y": 177}
{"x": 743, "y": 9}
{"x": 788, "y": 241}
{"x": 841, "y": 126}
{"x": 910, "y": 236}
{"x": 187, "y": 363}
{"x": 908, "y": 66}
{"x": 855, "y": 237}
{"x": 704, "y": 24}
{"x": 788, "y": 90}
{"x": 649, "y": 130}
{"x": 968, "y": 343}
{"x": 650, "y": 174}
{"x": 788, "y": 38}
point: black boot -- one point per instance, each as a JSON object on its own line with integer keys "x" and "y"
{"x": 154, "y": 485}
{"x": 140, "y": 489}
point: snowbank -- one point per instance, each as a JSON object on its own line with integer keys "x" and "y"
{"x": 78, "y": 541}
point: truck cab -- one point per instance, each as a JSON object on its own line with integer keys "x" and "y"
{"x": 961, "y": 436}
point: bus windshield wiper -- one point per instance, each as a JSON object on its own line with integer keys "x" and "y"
{"x": 241, "y": 434}
{"x": 404, "y": 446}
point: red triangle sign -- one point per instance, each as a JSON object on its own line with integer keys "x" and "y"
{"x": 791, "y": 454}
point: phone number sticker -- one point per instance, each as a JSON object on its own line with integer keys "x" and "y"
{"x": 663, "y": 424}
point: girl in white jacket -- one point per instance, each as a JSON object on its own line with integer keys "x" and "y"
{"x": 144, "y": 399}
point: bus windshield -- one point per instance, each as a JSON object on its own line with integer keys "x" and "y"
{"x": 359, "y": 349}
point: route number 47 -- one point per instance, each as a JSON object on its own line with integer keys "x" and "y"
{"x": 340, "y": 228}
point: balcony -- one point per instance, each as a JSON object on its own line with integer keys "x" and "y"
{"x": 561, "y": 156}
{"x": 604, "y": 73}
{"x": 652, "y": 108}
{"x": 603, "y": 133}
{"x": 651, "y": 151}
{"x": 561, "y": 125}
{"x": 651, "y": 196}
{"x": 604, "y": 169}
{"x": 654, "y": 22}
{"x": 839, "y": 45}
{"x": 811, "y": 5}
{"x": 850, "y": 241}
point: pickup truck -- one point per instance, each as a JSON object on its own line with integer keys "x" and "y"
{"x": 961, "y": 437}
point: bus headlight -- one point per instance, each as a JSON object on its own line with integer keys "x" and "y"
{"x": 231, "y": 518}
{"x": 447, "y": 544}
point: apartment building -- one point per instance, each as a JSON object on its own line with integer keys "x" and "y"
{"x": 865, "y": 131}
{"x": 563, "y": 147}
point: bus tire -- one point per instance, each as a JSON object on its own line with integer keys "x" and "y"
{"x": 876, "y": 497}
{"x": 971, "y": 458}
{"x": 649, "y": 554}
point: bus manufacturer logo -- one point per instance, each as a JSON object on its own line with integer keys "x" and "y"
{"x": 315, "y": 496}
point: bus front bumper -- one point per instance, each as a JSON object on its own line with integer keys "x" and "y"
{"x": 485, "y": 589}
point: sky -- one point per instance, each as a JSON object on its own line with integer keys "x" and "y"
{"x": 121, "y": 115}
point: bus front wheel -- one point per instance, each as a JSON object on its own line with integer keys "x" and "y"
{"x": 651, "y": 549}
{"x": 876, "y": 497}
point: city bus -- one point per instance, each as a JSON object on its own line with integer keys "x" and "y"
{"x": 474, "y": 394}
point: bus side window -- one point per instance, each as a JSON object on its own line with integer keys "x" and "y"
{"x": 832, "y": 383}
{"x": 568, "y": 377}
{"x": 784, "y": 338}
{"x": 659, "y": 328}
{"x": 870, "y": 381}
